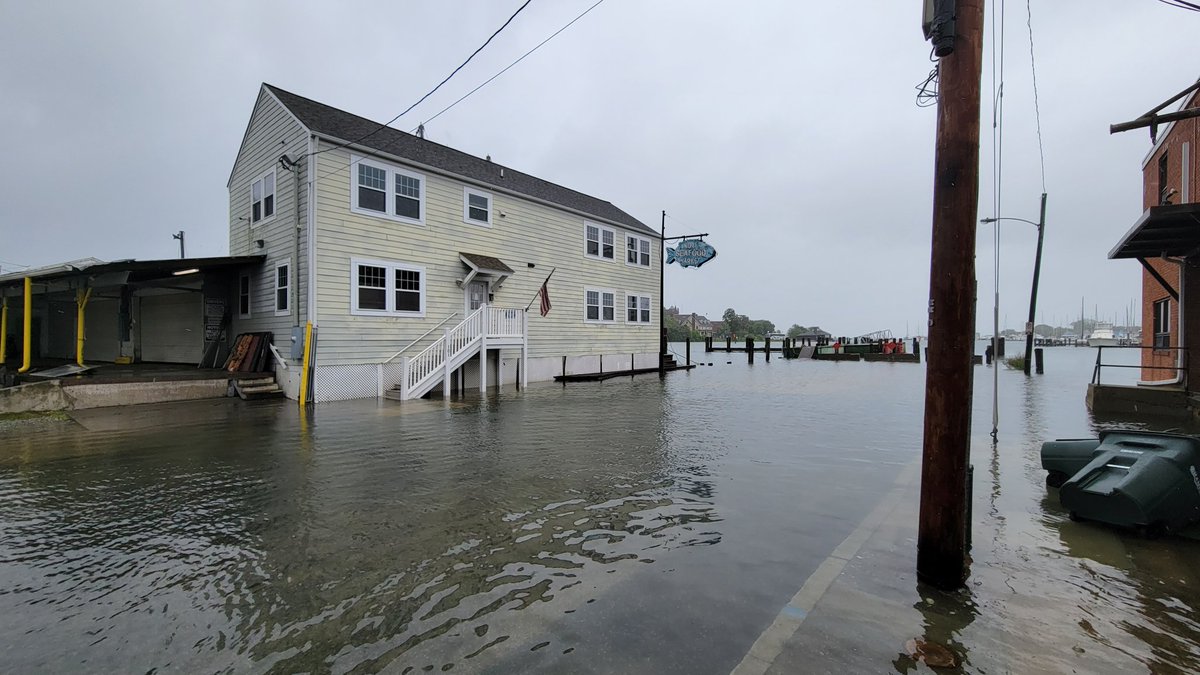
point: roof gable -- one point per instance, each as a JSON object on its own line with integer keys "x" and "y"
{"x": 264, "y": 92}
{"x": 332, "y": 122}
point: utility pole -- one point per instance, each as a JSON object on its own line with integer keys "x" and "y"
{"x": 179, "y": 235}
{"x": 662, "y": 300}
{"x": 942, "y": 535}
{"x": 1037, "y": 273}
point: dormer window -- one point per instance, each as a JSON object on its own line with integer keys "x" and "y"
{"x": 262, "y": 198}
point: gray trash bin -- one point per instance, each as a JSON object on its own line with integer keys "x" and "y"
{"x": 1140, "y": 480}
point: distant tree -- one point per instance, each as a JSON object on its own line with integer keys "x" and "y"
{"x": 735, "y": 324}
{"x": 1045, "y": 330}
{"x": 759, "y": 328}
{"x": 796, "y": 331}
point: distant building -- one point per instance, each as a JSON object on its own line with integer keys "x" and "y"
{"x": 698, "y": 323}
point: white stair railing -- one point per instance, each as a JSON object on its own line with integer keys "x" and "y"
{"x": 425, "y": 367}
{"x": 505, "y": 323}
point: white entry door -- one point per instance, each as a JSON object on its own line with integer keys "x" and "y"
{"x": 477, "y": 293}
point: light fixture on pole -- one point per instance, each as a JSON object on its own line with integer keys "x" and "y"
{"x": 1037, "y": 272}
{"x": 179, "y": 235}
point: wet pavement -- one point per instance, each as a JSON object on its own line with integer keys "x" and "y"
{"x": 633, "y": 525}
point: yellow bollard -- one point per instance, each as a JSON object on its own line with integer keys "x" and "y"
{"x": 27, "y": 318}
{"x": 81, "y": 301}
{"x": 304, "y": 366}
{"x": 3, "y": 329}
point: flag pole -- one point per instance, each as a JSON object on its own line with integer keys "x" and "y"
{"x": 539, "y": 291}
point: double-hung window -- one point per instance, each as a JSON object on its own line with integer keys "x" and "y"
{"x": 386, "y": 191}
{"x": 262, "y": 198}
{"x": 600, "y": 242}
{"x": 1162, "y": 323}
{"x": 637, "y": 308}
{"x": 637, "y": 251}
{"x": 283, "y": 286}
{"x": 599, "y": 305}
{"x": 382, "y": 288}
{"x": 477, "y": 207}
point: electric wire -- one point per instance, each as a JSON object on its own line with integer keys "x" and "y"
{"x": 483, "y": 84}
{"x": 927, "y": 90}
{"x": 488, "y": 81}
{"x": 1182, "y": 4}
{"x": 1037, "y": 113}
{"x": 431, "y": 91}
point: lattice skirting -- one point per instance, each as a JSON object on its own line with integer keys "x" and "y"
{"x": 341, "y": 383}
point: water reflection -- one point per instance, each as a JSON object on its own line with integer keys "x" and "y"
{"x": 945, "y": 617}
{"x": 346, "y": 540}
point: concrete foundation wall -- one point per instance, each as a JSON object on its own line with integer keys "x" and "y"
{"x": 51, "y": 395}
{"x": 1157, "y": 401}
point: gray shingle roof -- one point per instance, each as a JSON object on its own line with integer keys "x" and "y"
{"x": 330, "y": 121}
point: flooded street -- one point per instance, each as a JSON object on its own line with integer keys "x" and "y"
{"x": 633, "y": 525}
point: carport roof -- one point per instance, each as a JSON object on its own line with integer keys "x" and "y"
{"x": 1171, "y": 229}
{"x": 144, "y": 268}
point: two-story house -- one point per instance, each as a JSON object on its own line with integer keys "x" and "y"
{"x": 1166, "y": 241}
{"x": 415, "y": 262}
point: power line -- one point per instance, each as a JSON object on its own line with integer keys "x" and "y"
{"x": 485, "y": 82}
{"x": 536, "y": 47}
{"x": 431, "y": 91}
{"x": 1037, "y": 113}
{"x": 1182, "y": 4}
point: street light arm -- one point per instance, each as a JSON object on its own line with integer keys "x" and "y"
{"x": 992, "y": 220}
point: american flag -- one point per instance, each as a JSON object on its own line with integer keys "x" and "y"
{"x": 545, "y": 293}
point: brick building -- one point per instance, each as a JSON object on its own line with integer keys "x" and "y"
{"x": 1166, "y": 241}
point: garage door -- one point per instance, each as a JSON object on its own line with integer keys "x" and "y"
{"x": 101, "y": 327}
{"x": 171, "y": 328}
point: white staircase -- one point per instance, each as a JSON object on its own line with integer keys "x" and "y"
{"x": 485, "y": 328}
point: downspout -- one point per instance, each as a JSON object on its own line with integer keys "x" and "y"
{"x": 293, "y": 302}
{"x": 27, "y": 335}
{"x": 81, "y": 301}
{"x": 313, "y": 142}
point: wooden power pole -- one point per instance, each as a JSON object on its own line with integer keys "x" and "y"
{"x": 942, "y": 537}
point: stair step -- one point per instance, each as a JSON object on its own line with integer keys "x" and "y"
{"x": 255, "y": 381}
{"x": 260, "y": 389}
{"x": 393, "y": 395}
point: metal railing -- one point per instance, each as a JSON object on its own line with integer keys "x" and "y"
{"x": 1180, "y": 369}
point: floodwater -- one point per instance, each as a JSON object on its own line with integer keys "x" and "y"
{"x": 632, "y": 525}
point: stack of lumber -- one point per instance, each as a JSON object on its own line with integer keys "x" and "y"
{"x": 251, "y": 353}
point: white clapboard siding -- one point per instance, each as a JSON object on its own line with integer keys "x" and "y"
{"x": 529, "y": 232}
{"x": 272, "y": 132}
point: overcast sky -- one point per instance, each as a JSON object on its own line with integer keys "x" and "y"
{"x": 785, "y": 130}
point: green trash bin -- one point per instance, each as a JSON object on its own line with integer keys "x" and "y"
{"x": 1064, "y": 457}
{"x": 1140, "y": 480}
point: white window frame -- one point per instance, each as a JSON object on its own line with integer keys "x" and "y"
{"x": 245, "y": 276}
{"x": 261, "y": 179}
{"x": 287, "y": 288}
{"x": 389, "y": 200}
{"x": 600, "y": 230}
{"x": 600, "y": 312}
{"x": 389, "y": 288}
{"x": 649, "y": 252}
{"x": 467, "y": 192}
{"x": 649, "y": 309}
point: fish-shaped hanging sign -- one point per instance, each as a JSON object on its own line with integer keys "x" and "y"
{"x": 691, "y": 253}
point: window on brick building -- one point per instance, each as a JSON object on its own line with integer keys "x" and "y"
{"x": 1163, "y": 197}
{"x": 1162, "y": 323}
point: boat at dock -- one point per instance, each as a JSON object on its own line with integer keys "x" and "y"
{"x": 1102, "y": 336}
